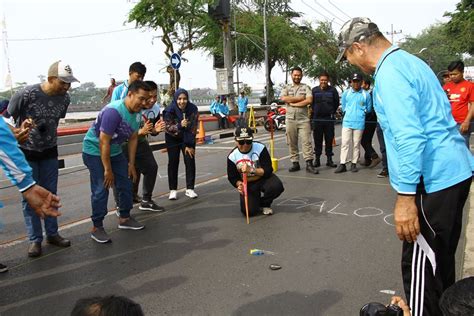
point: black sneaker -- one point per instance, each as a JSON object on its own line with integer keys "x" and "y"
{"x": 150, "y": 206}
{"x": 354, "y": 167}
{"x": 341, "y": 168}
{"x": 3, "y": 268}
{"x": 383, "y": 173}
{"x": 100, "y": 235}
{"x": 294, "y": 167}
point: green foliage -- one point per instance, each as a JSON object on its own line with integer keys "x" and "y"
{"x": 434, "y": 46}
{"x": 460, "y": 28}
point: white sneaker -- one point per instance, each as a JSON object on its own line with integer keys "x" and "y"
{"x": 191, "y": 194}
{"x": 267, "y": 211}
{"x": 173, "y": 195}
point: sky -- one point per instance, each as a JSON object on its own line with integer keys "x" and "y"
{"x": 29, "y": 23}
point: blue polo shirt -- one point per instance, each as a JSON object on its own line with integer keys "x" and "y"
{"x": 355, "y": 104}
{"x": 420, "y": 133}
{"x": 120, "y": 91}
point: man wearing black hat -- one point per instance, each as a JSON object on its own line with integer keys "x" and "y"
{"x": 355, "y": 103}
{"x": 429, "y": 164}
{"x": 253, "y": 159}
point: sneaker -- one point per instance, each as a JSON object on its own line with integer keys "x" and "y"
{"x": 150, "y": 206}
{"x": 341, "y": 168}
{"x": 3, "y": 268}
{"x": 191, "y": 194}
{"x": 131, "y": 223}
{"x": 375, "y": 162}
{"x": 99, "y": 235}
{"x": 295, "y": 166}
{"x": 354, "y": 167}
{"x": 383, "y": 173}
{"x": 173, "y": 195}
{"x": 267, "y": 211}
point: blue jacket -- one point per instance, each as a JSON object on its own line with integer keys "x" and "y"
{"x": 13, "y": 161}
{"x": 223, "y": 108}
{"x": 355, "y": 104}
{"x": 242, "y": 103}
{"x": 120, "y": 91}
{"x": 173, "y": 116}
{"x": 420, "y": 134}
{"x": 214, "y": 107}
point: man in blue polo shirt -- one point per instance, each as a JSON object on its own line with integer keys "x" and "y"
{"x": 429, "y": 164}
{"x": 136, "y": 71}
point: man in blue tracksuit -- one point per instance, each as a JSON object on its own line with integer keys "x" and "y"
{"x": 429, "y": 164}
{"x": 355, "y": 103}
{"x": 242, "y": 102}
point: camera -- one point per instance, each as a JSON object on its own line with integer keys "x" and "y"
{"x": 377, "y": 309}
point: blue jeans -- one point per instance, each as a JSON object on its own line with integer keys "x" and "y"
{"x": 100, "y": 195}
{"x": 45, "y": 173}
{"x": 466, "y": 136}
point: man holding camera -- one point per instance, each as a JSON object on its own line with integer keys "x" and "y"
{"x": 43, "y": 104}
{"x": 253, "y": 159}
{"x": 429, "y": 164}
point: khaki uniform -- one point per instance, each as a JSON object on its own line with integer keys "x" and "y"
{"x": 298, "y": 123}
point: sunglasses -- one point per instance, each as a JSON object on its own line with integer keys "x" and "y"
{"x": 245, "y": 142}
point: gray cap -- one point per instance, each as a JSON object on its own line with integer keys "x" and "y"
{"x": 352, "y": 31}
{"x": 62, "y": 71}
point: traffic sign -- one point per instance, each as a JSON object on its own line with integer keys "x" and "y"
{"x": 175, "y": 61}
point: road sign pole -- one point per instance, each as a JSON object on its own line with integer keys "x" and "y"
{"x": 175, "y": 81}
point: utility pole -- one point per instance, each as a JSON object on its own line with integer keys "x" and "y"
{"x": 392, "y": 32}
{"x": 228, "y": 61}
{"x": 265, "y": 40}
{"x": 235, "y": 44}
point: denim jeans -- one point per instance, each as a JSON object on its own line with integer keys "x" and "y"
{"x": 466, "y": 135}
{"x": 100, "y": 195}
{"x": 45, "y": 173}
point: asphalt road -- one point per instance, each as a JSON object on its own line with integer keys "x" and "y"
{"x": 331, "y": 233}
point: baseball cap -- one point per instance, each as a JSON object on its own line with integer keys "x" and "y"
{"x": 352, "y": 31}
{"x": 243, "y": 133}
{"x": 356, "y": 76}
{"x": 63, "y": 71}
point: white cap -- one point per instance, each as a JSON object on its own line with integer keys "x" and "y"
{"x": 62, "y": 71}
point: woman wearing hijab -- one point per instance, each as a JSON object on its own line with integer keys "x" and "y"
{"x": 181, "y": 120}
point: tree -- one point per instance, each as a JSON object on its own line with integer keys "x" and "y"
{"x": 286, "y": 41}
{"x": 181, "y": 23}
{"x": 434, "y": 47}
{"x": 459, "y": 28}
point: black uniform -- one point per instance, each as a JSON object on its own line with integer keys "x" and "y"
{"x": 324, "y": 107}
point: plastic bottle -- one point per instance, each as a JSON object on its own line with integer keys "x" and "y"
{"x": 257, "y": 252}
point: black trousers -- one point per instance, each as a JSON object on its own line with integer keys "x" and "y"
{"x": 382, "y": 146}
{"x": 175, "y": 146}
{"x": 428, "y": 266}
{"x": 366, "y": 140}
{"x": 323, "y": 127}
{"x": 271, "y": 188}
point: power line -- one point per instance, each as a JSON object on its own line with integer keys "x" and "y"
{"x": 327, "y": 18}
{"x": 339, "y": 9}
{"x": 67, "y": 37}
{"x": 315, "y": 1}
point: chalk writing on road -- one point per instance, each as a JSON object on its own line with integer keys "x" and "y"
{"x": 340, "y": 209}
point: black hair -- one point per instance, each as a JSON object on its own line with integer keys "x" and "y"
{"x": 107, "y": 306}
{"x": 458, "y": 299}
{"x": 367, "y": 80}
{"x": 137, "y": 85}
{"x": 458, "y": 64}
{"x": 137, "y": 67}
{"x": 153, "y": 86}
{"x": 324, "y": 74}
{"x": 296, "y": 68}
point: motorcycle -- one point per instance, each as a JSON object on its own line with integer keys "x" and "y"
{"x": 276, "y": 116}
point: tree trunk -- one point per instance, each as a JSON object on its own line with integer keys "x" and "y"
{"x": 271, "y": 93}
{"x": 170, "y": 70}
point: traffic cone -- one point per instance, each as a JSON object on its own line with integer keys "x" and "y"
{"x": 202, "y": 133}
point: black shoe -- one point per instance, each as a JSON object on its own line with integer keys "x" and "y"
{"x": 354, "y": 167}
{"x": 310, "y": 168}
{"x": 383, "y": 173}
{"x": 341, "y": 168}
{"x": 3, "y": 268}
{"x": 317, "y": 162}
{"x": 34, "y": 250}
{"x": 58, "y": 241}
{"x": 294, "y": 167}
{"x": 330, "y": 163}
{"x": 150, "y": 206}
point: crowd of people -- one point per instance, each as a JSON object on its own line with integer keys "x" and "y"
{"x": 423, "y": 130}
